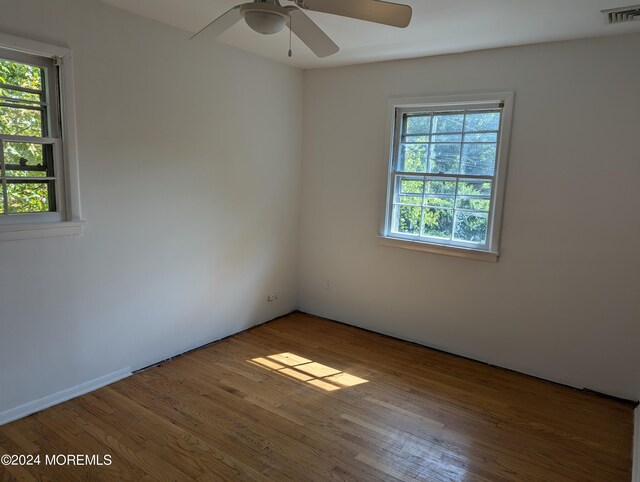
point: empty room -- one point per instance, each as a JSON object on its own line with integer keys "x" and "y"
{"x": 311, "y": 240}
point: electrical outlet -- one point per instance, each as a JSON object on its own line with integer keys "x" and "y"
{"x": 272, "y": 297}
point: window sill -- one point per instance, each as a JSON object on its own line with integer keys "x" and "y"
{"x": 439, "y": 249}
{"x": 16, "y": 232}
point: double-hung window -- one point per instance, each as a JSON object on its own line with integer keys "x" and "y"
{"x": 447, "y": 172}
{"x": 38, "y": 192}
{"x": 30, "y": 134}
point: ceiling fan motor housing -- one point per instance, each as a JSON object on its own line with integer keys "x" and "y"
{"x": 264, "y": 17}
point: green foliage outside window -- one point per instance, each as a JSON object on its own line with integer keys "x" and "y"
{"x": 23, "y": 159}
{"x": 446, "y": 143}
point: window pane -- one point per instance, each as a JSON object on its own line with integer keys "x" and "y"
{"x": 445, "y": 158}
{"x": 441, "y": 186}
{"x": 471, "y": 227}
{"x": 409, "y": 190}
{"x": 474, "y": 188}
{"x": 24, "y": 159}
{"x": 22, "y": 75}
{"x": 449, "y": 122}
{"x": 438, "y": 223}
{"x": 407, "y": 219}
{"x": 474, "y": 195}
{"x": 479, "y": 159}
{"x": 413, "y": 200}
{"x": 417, "y": 124}
{"x": 447, "y": 138}
{"x": 21, "y": 122}
{"x": 413, "y": 157}
{"x": 18, "y": 95}
{"x": 29, "y": 197}
{"x": 482, "y": 121}
{"x": 416, "y": 139}
{"x": 473, "y": 204}
{"x": 481, "y": 137}
{"x": 439, "y": 202}
{"x": 1, "y": 200}
{"x": 410, "y": 186}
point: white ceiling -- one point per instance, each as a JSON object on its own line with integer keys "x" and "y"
{"x": 437, "y": 27}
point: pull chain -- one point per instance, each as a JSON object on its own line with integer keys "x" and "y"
{"x": 290, "y": 23}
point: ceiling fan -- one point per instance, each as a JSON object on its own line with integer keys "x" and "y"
{"x": 268, "y": 17}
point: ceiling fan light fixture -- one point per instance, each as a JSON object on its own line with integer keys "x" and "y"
{"x": 263, "y": 17}
{"x": 264, "y": 22}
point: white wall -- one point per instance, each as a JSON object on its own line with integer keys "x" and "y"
{"x": 563, "y": 301}
{"x": 190, "y": 177}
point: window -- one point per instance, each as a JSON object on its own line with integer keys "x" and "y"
{"x": 38, "y": 175}
{"x": 446, "y": 176}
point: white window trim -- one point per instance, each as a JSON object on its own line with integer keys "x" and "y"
{"x": 72, "y": 225}
{"x": 490, "y": 254}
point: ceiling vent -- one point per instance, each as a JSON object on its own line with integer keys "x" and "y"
{"x": 622, "y": 14}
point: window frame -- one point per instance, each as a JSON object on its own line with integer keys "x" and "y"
{"x": 397, "y": 108}
{"x": 67, "y": 219}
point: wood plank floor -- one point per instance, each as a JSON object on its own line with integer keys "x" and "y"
{"x": 302, "y": 398}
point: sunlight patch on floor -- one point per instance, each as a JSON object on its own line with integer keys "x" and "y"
{"x": 308, "y": 371}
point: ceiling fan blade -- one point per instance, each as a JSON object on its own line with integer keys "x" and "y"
{"x": 312, "y": 36}
{"x": 377, "y": 11}
{"x": 222, "y": 23}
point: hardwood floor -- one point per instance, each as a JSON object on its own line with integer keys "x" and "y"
{"x": 302, "y": 398}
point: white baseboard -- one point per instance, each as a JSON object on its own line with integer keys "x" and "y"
{"x": 62, "y": 396}
{"x": 636, "y": 447}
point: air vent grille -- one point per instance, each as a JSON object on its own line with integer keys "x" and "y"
{"x": 624, "y": 14}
